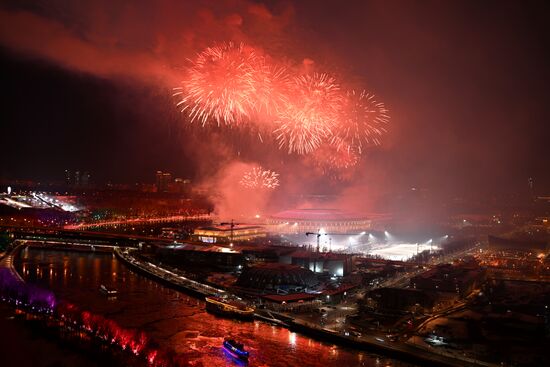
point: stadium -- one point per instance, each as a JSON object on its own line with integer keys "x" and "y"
{"x": 335, "y": 221}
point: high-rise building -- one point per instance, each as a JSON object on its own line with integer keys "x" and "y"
{"x": 158, "y": 181}
{"x": 163, "y": 180}
{"x": 77, "y": 178}
{"x": 85, "y": 179}
{"x": 181, "y": 186}
{"x": 68, "y": 178}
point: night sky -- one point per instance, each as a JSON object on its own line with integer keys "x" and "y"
{"x": 89, "y": 86}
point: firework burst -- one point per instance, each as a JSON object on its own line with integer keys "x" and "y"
{"x": 333, "y": 163}
{"x": 220, "y": 84}
{"x": 330, "y": 157}
{"x": 310, "y": 114}
{"x": 271, "y": 88}
{"x": 362, "y": 123}
{"x": 258, "y": 178}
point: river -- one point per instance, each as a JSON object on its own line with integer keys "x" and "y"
{"x": 174, "y": 319}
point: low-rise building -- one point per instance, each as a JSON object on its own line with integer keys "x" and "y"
{"x": 402, "y": 299}
{"x": 210, "y": 256}
{"x": 449, "y": 278}
{"x": 335, "y": 264}
{"x": 228, "y": 233}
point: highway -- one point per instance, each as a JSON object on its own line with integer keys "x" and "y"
{"x": 139, "y": 221}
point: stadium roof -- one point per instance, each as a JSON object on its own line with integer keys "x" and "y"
{"x": 227, "y": 228}
{"x": 318, "y": 215}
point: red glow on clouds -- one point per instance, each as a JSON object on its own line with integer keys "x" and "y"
{"x": 238, "y": 67}
{"x": 144, "y": 41}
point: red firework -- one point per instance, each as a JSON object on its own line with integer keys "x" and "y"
{"x": 220, "y": 84}
{"x": 310, "y": 114}
{"x": 258, "y": 178}
{"x": 334, "y": 163}
{"x": 331, "y": 157}
{"x": 363, "y": 121}
{"x": 271, "y": 88}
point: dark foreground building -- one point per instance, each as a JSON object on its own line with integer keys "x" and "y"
{"x": 277, "y": 277}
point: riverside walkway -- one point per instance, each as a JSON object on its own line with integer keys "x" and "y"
{"x": 6, "y": 261}
{"x": 167, "y": 276}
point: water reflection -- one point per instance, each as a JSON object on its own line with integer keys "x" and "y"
{"x": 292, "y": 338}
{"x": 174, "y": 319}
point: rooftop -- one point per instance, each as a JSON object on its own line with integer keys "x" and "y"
{"x": 226, "y": 228}
{"x": 318, "y": 215}
{"x": 305, "y": 254}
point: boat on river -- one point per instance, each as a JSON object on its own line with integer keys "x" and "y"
{"x": 108, "y": 292}
{"x": 236, "y": 349}
{"x": 229, "y": 308}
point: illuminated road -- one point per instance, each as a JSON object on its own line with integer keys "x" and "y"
{"x": 139, "y": 221}
{"x": 174, "y": 319}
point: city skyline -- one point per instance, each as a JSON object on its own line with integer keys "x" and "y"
{"x": 487, "y": 129}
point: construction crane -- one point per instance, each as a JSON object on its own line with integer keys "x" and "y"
{"x": 319, "y": 234}
{"x": 231, "y": 225}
